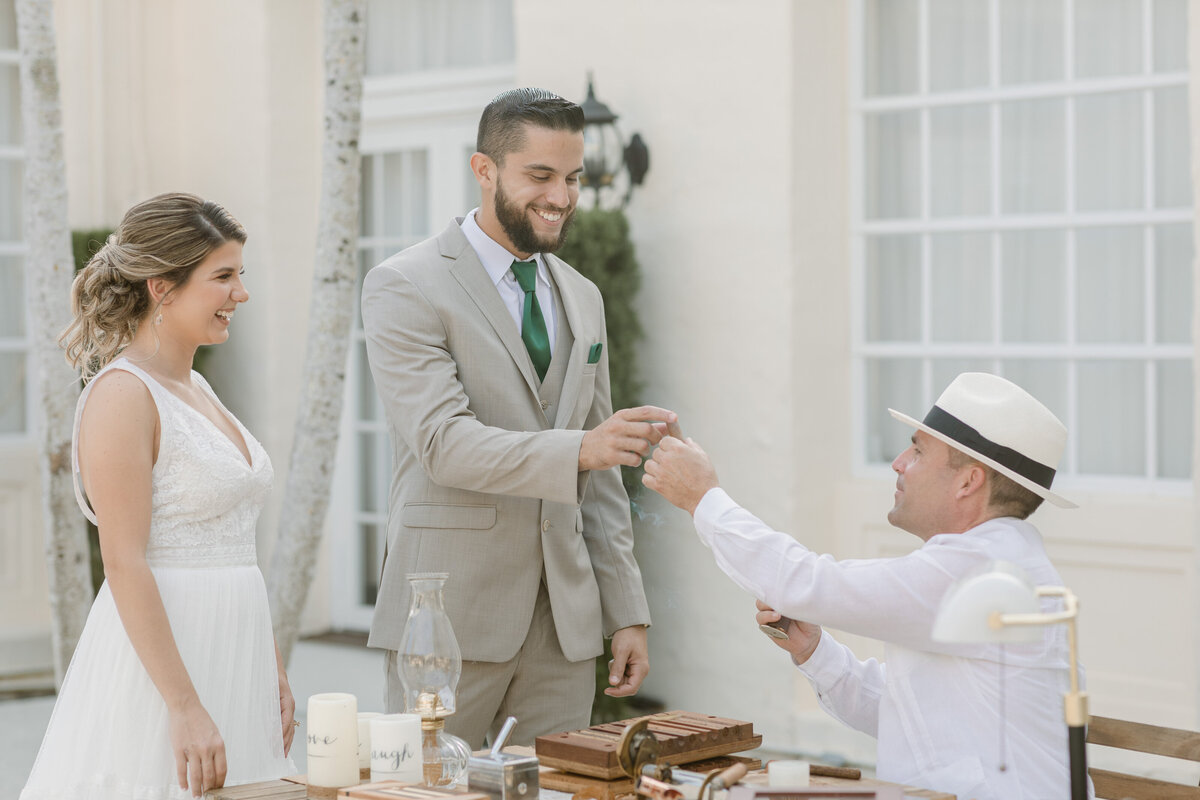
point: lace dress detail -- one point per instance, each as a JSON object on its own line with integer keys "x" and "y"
{"x": 108, "y": 736}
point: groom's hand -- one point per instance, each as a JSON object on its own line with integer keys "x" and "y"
{"x": 630, "y": 662}
{"x": 625, "y": 438}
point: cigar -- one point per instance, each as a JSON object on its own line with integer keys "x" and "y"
{"x": 657, "y": 790}
{"x": 849, "y": 773}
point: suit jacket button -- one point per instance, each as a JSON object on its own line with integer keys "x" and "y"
{"x": 545, "y": 525}
{"x": 545, "y": 405}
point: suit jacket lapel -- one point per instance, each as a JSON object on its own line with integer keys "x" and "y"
{"x": 469, "y": 272}
{"x": 572, "y": 317}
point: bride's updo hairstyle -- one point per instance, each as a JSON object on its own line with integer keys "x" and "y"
{"x": 166, "y": 237}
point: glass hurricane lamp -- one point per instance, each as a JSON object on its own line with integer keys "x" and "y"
{"x": 430, "y": 664}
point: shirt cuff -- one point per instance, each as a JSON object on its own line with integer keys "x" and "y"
{"x": 827, "y": 663}
{"x": 709, "y": 510}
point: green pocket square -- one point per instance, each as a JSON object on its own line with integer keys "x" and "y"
{"x": 594, "y": 353}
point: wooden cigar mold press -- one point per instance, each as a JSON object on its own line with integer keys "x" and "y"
{"x": 637, "y": 755}
{"x": 655, "y": 755}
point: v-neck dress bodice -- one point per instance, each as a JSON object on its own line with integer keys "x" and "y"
{"x": 109, "y": 733}
{"x": 206, "y": 497}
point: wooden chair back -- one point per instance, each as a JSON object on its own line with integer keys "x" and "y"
{"x": 1142, "y": 738}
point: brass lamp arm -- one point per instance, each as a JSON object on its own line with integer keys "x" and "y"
{"x": 998, "y": 620}
{"x": 1075, "y": 701}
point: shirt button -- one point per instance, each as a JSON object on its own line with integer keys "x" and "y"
{"x": 545, "y": 525}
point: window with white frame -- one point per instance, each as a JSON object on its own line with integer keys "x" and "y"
{"x": 394, "y": 215}
{"x": 409, "y": 37}
{"x": 1024, "y": 206}
{"x": 14, "y": 345}
{"x": 432, "y": 66}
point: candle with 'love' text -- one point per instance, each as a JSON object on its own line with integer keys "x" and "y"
{"x": 332, "y": 739}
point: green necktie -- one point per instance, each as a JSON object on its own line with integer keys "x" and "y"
{"x": 533, "y": 324}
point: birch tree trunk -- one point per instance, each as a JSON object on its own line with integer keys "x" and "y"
{"x": 49, "y": 269}
{"x": 306, "y": 497}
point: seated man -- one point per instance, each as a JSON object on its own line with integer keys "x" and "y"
{"x": 983, "y": 721}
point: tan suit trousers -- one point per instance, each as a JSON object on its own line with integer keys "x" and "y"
{"x": 538, "y": 686}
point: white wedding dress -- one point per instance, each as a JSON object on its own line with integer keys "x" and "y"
{"x": 108, "y": 736}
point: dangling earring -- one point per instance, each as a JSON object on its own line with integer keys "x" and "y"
{"x": 158, "y": 319}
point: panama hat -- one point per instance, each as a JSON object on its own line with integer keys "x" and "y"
{"x": 1002, "y": 425}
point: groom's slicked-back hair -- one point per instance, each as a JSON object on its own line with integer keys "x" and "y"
{"x": 502, "y": 126}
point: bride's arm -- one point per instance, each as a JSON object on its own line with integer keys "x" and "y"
{"x": 118, "y": 445}
{"x": 287, "y": 704}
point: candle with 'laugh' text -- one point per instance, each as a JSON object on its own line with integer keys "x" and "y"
{"x": 396, "y": 748}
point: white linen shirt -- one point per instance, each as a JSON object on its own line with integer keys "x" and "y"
{"x": 498, "y": 262}
{"x": 934, "y": 707}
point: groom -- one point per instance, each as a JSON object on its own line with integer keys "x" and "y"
{"x": 489, "y": 356}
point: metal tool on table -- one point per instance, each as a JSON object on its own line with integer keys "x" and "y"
{"x": 638, "y": 752}
{"x": 504, "y": 776}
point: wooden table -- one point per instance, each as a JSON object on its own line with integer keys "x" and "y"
{"x": 286, "y": 790}
{"x": 581, "y": 785}
{"x": 621, "y": 789}
{"x": 267, "y": 790}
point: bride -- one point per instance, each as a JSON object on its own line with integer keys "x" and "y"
{"x": 176, "y": 685}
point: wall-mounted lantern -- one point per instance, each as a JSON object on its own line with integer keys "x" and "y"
{"x": 611, "y": 167}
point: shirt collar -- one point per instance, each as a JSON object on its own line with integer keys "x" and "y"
{"x": 496, "y": 259}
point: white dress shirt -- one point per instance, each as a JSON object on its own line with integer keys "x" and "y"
{"x": 934, "y": 707}
{"x": 498, "y": 263}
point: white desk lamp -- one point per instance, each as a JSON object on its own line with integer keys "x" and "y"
{"x": 1001, "y": 605}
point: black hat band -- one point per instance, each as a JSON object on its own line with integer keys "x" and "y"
{"x": 954, "y": 428}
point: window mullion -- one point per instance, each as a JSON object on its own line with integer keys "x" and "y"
{"x": 923, "y": 47}
{"x": 1150, "y": 273}
{"x": 1150, "y": 372}
{"x": 1147, "y": 37}
{"x": 926, "y": 318}
{"x": 1148, "y": 150}
{"x": 1069, "y": 40}
{"x": 997, "y": 289}
{"x": 993, "y": 43}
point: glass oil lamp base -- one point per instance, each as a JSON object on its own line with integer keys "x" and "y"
{"x": 444, "y": 755}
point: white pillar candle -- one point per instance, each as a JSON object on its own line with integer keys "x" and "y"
{"x": 787, "y": 773}
{"x": 332, "y": 726}
{"x": 364, "y": 738}
{"x": 396, "y": 748}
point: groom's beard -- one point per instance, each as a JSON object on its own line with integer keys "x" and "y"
{"x": 515, "y": 222}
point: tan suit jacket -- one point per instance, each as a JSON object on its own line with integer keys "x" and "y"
{"x": 486, "y": 486}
